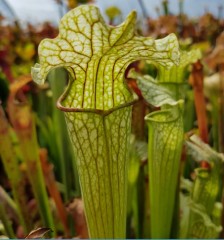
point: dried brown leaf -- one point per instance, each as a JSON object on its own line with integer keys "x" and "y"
{"x": 38, "y": 233}
{"x": 76, "y": 209}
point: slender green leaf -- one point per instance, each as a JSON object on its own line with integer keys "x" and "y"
{"x": 6, "y": 222}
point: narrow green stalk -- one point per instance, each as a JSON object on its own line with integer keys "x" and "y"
{"x": 12, "y": 168}
{"x": 138, "y": 153}
{"x": 165, "y": 4}
{"x": 181, "y": 7}
{"x": 143, "y": 9}
{"x": 98, "y": 105}
{"x": 189, "y": 111}
{"x": 9, "y": 202}
{"x": 6, "y": 222}
{"x": 135, "y": 206}
{"x": 53, "y": 190}
{"x": 215, "y": 123}
{"x": 146, "y": 233}
{"x": 133, "y": 169}
{"x": 58, "y": 79}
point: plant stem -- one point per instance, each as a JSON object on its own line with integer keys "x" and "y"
{"x": 58, "y": 79}
{"x": 6, "y": 222}
{"x": 143, "y": 8}
{"x": 8, "y": 201}
{"x": 53, "y": 190}
{"x": 189, "y": 111}
{"x": 165, "y": 4}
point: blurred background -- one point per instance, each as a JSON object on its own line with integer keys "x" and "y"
{"x": 31, "y": 20}
{"x": 198, "y": 24}
{"x": 37, "y": 11}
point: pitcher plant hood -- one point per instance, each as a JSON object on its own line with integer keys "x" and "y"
{"x": 96, "y": 56}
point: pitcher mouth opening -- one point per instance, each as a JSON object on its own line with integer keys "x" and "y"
{"x": 61, "y": 103}
{"x": 93, "y": 110}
